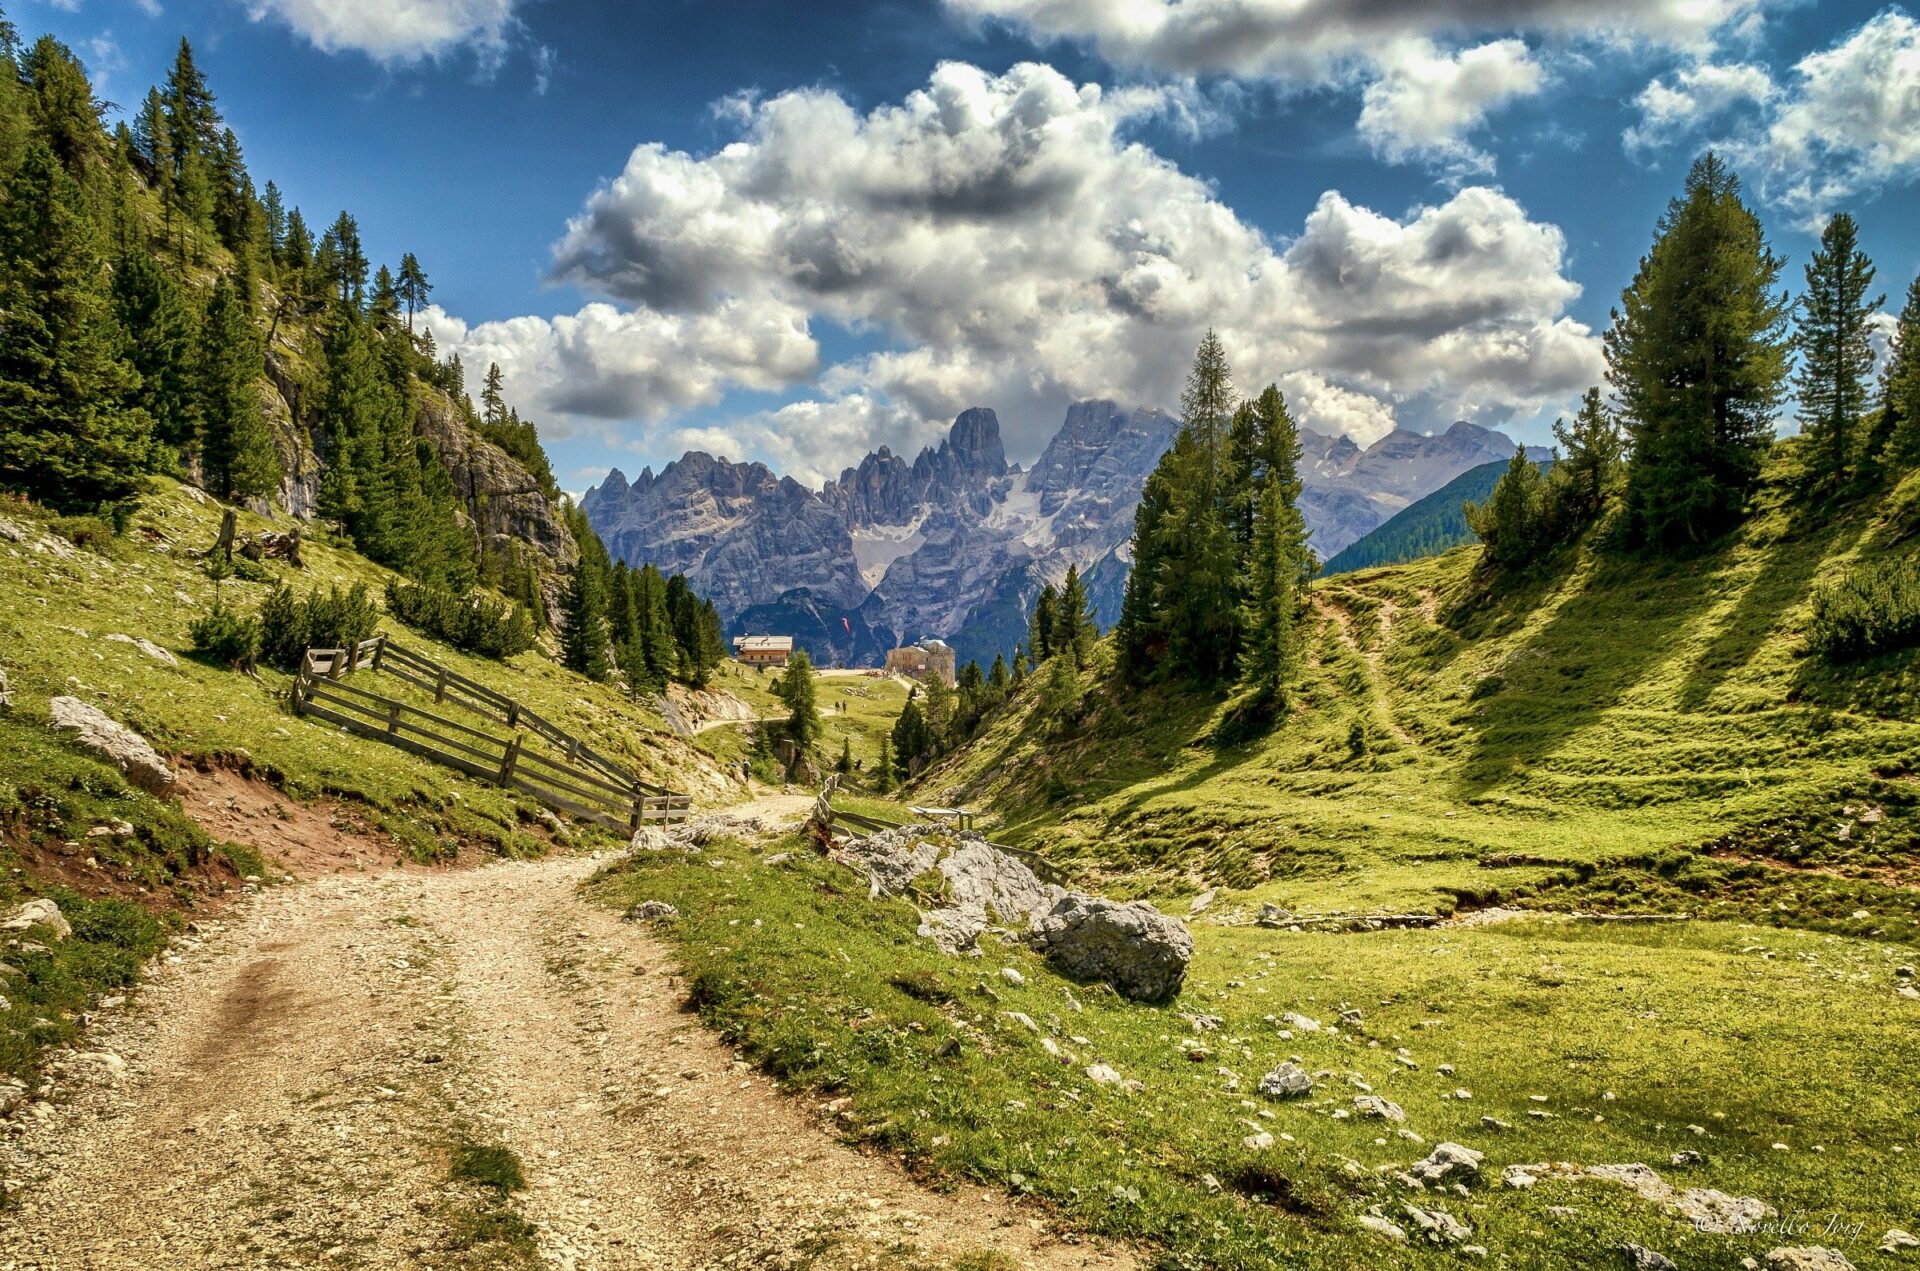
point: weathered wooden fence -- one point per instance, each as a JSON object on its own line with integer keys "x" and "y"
{"x": 577, "y": 781}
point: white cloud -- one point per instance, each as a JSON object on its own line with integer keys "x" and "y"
{"x": 1849, "y": 123}
{"x": 398, "y": 31}
{"x": 1312, "y": 39}
{"x": 1004, "y": 241}
{"x": 1844, "y": 124}
{"x": 1426, "y": 101}
{"x": 1673, "y": 109}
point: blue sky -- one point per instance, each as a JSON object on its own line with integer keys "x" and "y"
{"x": 795, "y": 231}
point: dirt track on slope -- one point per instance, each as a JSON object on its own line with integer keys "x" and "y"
{"x": 290, "y": 1087}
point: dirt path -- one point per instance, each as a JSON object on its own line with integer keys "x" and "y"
{"x": 292, "y": 1088}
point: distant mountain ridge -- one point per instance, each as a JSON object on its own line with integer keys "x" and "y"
{"x": 957, "y": 542}
{"x": 1429, "y": 526}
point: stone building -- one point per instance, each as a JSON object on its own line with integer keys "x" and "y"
{"x": 922, "y": 660}
{"x": 762, "y": 650}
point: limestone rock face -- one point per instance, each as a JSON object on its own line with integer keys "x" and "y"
{"x": 119, "y": 745}
{"x": 1142, "y": 952}
{"x": 504, "y": 500}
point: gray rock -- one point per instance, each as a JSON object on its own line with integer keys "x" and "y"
{"x": 1642, "y": 1258}
{"x": 40, "y": 912}
{"x": 1287, "y": 1081}
{"x": 1448, "y": 1163}
{"x": 1896, "y": 1240}
{"x": 647, "y": 910}
{"x": 1372, "y": 1105}
{"x": 121, "y": 746}
{"x": 6, "y": 690}
{"x": 1383, "y": 1226}
{"x": 1140, "y": 951}
{"x": 981, "y": 883}
{"x": 1807, "y": 1258}
{"x": 145, "y": 646}
{"x": 1438, "y": 1226}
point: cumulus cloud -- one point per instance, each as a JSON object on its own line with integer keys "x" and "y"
{"x": 1426, "y": 101}
{"x": 1311, "y": 39}
{"x": 1843, "y": 124}
{"x": 1678, "y": 107}
{"x": 398, "y": 32}
{"x": 1004, "y": 240}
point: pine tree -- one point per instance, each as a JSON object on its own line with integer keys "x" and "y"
{"x": 67, "y": 437}
{"x": 1074, "y": 626}
{"x": 192, "y": 118}
{"x": 1697, "y": 358}
{"x": 1897, "y": 432}
{"x": 584, "y": 641}
{"x": 883, "y": 775}
{"x": 1279, "y": 564}
{"x": 236, "y": 443}
{"x": 912, "y": 739}
{"x": 62, "y": 106}
{"x": 999, "y": 680}
{"x": 797, "y": 691}
{"x": 1020, "y": 667}
{"x": 1040, "y": 623}
{"x": 1588, "y": 461}
{"x": 161, "y": 342}
{"x": 350, "y": 426}
{"x": 346, "y": 263}
{"x": 1509, "y": 521}
{"x": 652, "y": 627}
{"x": 384, "y": 305}
{"x": 15, "y": 123}
{"x": 1836, "y": 356}
{"x": 414, "y": 287}
{"x": 845, "y": 765}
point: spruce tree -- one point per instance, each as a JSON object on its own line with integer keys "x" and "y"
{"x": 62, "y": 106}
{"x": 1279, "y": 564}
{"x": 883, "y": 776}
{"x": 999, "y": 680}
{"x": 1586, "y": 464}
{"x": 352, "y": 413}
{"x": 1074, "y": 626}
{"x": 67, "y": 436}
{"x": 1836, "y": 356}
{"x": 583, "y": 643}
{"x": 236, "y": 443}
{"x": 1897, "y": 432}
{"x": 1697, "y": 356}
{"x": 414, "y": 287}
{"x": 1040, "y": 623}
{"x": 1509, "y": 522}
{"x": 161, "y": 339}
{"x": 796, "y": 689}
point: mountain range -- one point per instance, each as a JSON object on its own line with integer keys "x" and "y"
{"x": 957, "y": 542}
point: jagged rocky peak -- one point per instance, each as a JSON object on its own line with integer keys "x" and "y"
{"x": 886, "y": 490}
{"x": 1100, "y": 447}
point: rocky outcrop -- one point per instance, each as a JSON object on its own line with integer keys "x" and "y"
{"x": 503, "y": 499}
{"x": 1142, "y": 952}
{"x": 41, "y": 913}
{"x": 117, "y": 744}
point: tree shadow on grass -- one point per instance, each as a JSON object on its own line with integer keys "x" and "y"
{"x": 1628, "y": 617}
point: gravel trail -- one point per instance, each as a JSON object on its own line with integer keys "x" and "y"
{"x": 293, "y": 1085}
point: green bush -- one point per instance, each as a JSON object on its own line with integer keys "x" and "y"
{"x": 1874, "y": 609}
{"x": 225, "y": 637}
{"x": 335, "y": 619}
{"x": 475, "y": 623}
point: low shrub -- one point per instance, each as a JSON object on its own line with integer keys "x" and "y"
{"x": 475, "y": 623}
{"x": 334, "y": 619}
{"x": 226, "y": 637}
{"x": 1874, "y": 609}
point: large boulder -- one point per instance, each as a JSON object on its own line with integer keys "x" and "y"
{"x": 1142, "y": 952}
{"x": 41, "y": 913}
{"x": 119, "y": 745}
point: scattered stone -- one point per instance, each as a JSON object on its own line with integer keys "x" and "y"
{"x": 1437, "y": 1226}
{"x": 125, "y": 749}
{"x": 40, "y": 912}
{"x": 1103, "y": 1074}
{"x": 1896, "y": 1240}
{"x": 1807, "y": 1258}
{"x": 647, "y": 910}
{"x": 6, "y": 690}
{"x": 1383, "y": 1226}
{"x": 145, "y": 646}
{"x": 1287, "y": 1081}
{"x": 1708, "y": 1210}
{"x": 1372, "y": 1105}
{"x": 1140, "y": 951}
{"x": 1642, "y": 1258}
{"x": 1012, "y": 976}
{"x": 1448, "y": 1163}
{"x": 1202, "y": 902}
{"x": 1495, "y": 1123}
{"x": 1259, "y": 1141}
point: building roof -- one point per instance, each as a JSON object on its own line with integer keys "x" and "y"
{"x": 763, "y": 644}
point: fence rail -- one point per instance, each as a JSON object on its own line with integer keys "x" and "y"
{"x": 581, "y": 783}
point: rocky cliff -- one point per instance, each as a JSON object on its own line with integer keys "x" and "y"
{"x": 957, "y": 542}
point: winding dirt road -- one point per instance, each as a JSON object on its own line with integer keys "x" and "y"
{"x": 292, "y": 1087}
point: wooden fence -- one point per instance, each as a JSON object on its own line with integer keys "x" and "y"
{"x": 579, "y": 781}
{"x": 1046, "y": 871}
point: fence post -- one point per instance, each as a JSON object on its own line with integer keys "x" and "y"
{"x": 393, "y": 718}
{"x": 440, "y": 686}
{"x": 333, "y": 665}
{"x": 299, "y": 687}
{"x": 639, "y": 810}
{"x": 513, "y": 714}
{"x": 512, "y": 758}
{"x": 379, "y": 652}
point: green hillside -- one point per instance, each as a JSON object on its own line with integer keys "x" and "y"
{"x": 1427, "y": 527}
{"x": 1610, "y": 734}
